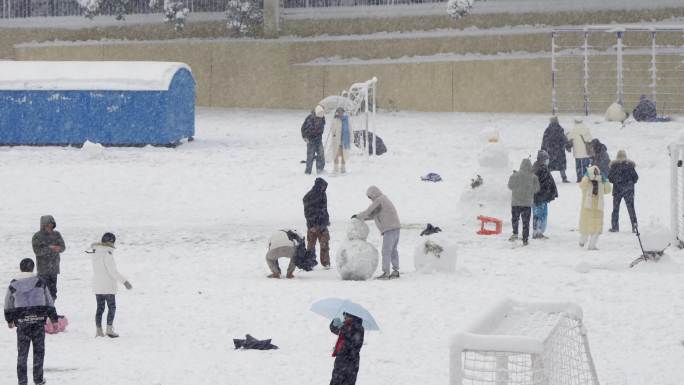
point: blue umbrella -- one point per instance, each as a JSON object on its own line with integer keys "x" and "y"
{"x": 334, "y": 307}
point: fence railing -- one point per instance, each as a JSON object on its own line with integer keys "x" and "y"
{"x": 36, "y": 8}
{"x": 352, "y": 3}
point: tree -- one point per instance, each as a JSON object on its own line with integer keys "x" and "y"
{"x": 245, "y": 17}
{"x": 459, "y": 8}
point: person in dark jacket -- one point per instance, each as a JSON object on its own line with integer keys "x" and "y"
{"x": 28, "y": 303}
{"x": 523, "y": 185}
{"x": 312, "y": 133}
{"x": 347, "y": 349}
{"x": 554, "y": 143}
{"x": 600, "y": 157}
{"x": 547, "y": 192}
{"x": 623, "y": 176}
{"x": 47, "y": 246}
{"x": 318, "y": 220}
{"x": 645, "y": 111}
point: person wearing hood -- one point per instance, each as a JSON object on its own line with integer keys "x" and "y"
{"x": 623, "y": 176}
{"x": 523, "y": 185}
{"x": 383, "y": 212}
{"x": 593, "y": 187}
{"x": 28, "y": 304}
{"x": 579, "y": 138}
{"x": 547, "y": 192}
{"x": 347, "y": 349}
{"x": 600, "y": 158}
{"x": 340, "y": 141}
{"x": 283, "y": 244}
{"x": 318, "y": 220}
{"x": 105, "y": 279}
{"x": 47, "y": 246}
{"x": 645, "y": 111}
{"x": 312, "y": 133}
{"x": 554, "y": 143}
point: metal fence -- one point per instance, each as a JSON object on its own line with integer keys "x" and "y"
{"x": 35, "y": 8}
{"x": 352, "y": 3}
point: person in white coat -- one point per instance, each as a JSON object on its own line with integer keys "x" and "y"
{"x": 105, "y": 282}
{"x": 579, "y": 138}
{"x": 340, "y": 141}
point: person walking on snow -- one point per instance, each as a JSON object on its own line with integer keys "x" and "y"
{"x": 340, "y": 141}
{"x": 28, "y": 303}
{"x": 600, "y": 158}
{"x": 523, "y": 185}
{"x": 312, "y": 133}
{"x": 547, "y": 192}
{"x": 384, "y": 213}
{"x": 47, "y": 246}
{"x": 623, "y": 176}
{"x": 554, "y": 143}
{"x": 105, "y": 279}
{"x": 347, "y": 349}
{"x": 318, "y": 220}
{"x": 593, "y": 187}
{"x": 578, "y": 138}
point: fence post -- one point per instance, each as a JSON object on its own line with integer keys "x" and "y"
{"x": 620, "y": 85}
{"x": 585, "y": 91}
{"x": 271, "y": 18}
{"x": 554, "y": 101}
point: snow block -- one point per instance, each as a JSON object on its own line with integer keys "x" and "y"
{"x": 110, "y": 103}
{"x": 435, "y": 253}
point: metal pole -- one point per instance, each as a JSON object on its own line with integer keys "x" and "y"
{"x": 375, "y": 127}
{"x": 674, "y": 199}
{"x": 554, "y": 103}
{"x": 620, "y": 85}
{"x": 586, "y": 73}
{"x": 654, "y": 75}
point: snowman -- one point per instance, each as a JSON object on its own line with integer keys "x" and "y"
{"x": 488, "y": 193}
{"x": 356, "y": 259}
{"x": 435, "y": 252}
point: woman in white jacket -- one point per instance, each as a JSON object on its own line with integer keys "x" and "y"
{"x": 340, "y": 141}
{"x": 105, "y": 280}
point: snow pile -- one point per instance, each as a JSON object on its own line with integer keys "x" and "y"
{"x": 92, "y": 150}
{"x": 435, "y": 253}
{"x": 459, "y": 8}
{"x": 356, "y": 259}
{"x": 655, "y": 237}
{"x": 616, "y": 113}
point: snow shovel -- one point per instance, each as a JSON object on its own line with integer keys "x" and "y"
{"x": 646, "y": 255}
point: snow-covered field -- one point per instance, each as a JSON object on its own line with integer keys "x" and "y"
{"x": 192, "y": 225}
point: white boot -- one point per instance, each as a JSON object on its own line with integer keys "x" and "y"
{"x": 110, "y": 332}
{"x": 99, "y": 332}
{"x": 593, "y": 240}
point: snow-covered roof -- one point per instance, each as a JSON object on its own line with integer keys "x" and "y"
{"x": 88, "y": 75}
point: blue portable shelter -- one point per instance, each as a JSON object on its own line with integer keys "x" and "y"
{"x": 111, "y": 103}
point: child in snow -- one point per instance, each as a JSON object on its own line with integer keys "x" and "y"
{"x": 28, "y": 304}
{"x": 593, "y": 186}
{"x": 340, "y": 141}
{"x": 600, "y": 157}
{"x": 105, "y": 278}
{"x": 623, "y": 176}
{"x": 523, "y": 185}
{"x": 48, "y": 244}
{"x": 347, "y": 349}
{"x": 547, "y": 192}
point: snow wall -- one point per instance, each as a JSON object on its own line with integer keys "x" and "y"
{"x": 111, "y": 103}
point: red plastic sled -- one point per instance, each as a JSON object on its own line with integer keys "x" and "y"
{"x": 484, "y": 220}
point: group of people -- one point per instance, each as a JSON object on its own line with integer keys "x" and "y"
{"x": 533, "y": 187}
{"x": 30, "y": 298}
{"x": 339, "y": 140}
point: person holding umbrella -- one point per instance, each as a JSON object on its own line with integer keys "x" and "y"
{"x": 347, "y": 349}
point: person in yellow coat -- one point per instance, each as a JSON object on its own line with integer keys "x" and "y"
{"x": 593, "y": 187}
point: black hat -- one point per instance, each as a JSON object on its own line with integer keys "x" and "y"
{"x": 108, "y": 238}
{"x": 26, "y": 265}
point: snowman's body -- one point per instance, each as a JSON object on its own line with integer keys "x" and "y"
{"x": 356, "y": 259}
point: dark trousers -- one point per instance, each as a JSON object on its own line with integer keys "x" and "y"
{"x": 26, "y": 335}
{"x": 314, "y": 150}
{"x": 110, "y": 299}
{"x": 323, "y": 237}
{"x": 525, "y": 213}
{"x": 51, "y": 283}
{"x": 581, "y": 165}
{"x": 628, "y": 196}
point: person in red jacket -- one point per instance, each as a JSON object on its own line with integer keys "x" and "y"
{"x": 347, "y": 349}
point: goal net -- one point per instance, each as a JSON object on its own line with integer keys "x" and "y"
{"x": 524, "y": 344}
{"x": 677, "y": 193}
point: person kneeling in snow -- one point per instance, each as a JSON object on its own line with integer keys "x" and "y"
{"x": 347, "y": 349}
{"x": 283, "y": 244}
{"x": 387, "y": 220}
{"x": 105, "y": 279}
{"x": 28, "y": 303}
{"x": 593, "y": 186}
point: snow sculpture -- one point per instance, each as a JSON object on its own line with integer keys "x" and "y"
{"x": 435, "y": 253}
{"x": 356, "y": 260}
{"x": 459, "y": 8}
{"x": 488, "y": 193}
{"x": 616, "y": 113}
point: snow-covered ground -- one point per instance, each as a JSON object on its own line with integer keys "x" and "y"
{"x": 192, "y": 225}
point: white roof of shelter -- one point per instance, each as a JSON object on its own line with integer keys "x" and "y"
{"x": 87, "y": 75}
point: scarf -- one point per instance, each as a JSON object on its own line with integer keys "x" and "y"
{"x": 346, "y": 137}
{"x": 340, "y": 339}
{"x": 594, "y": 193}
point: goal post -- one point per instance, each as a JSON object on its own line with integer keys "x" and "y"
{"x": 677, "y": 193}
{"x": 519, "y": 343}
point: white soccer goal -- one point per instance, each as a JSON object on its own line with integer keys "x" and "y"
{"x": 519, "y": 343}
{"x": 677, "y": 193}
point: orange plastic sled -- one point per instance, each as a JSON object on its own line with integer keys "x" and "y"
{"x": 484, "y": 220}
